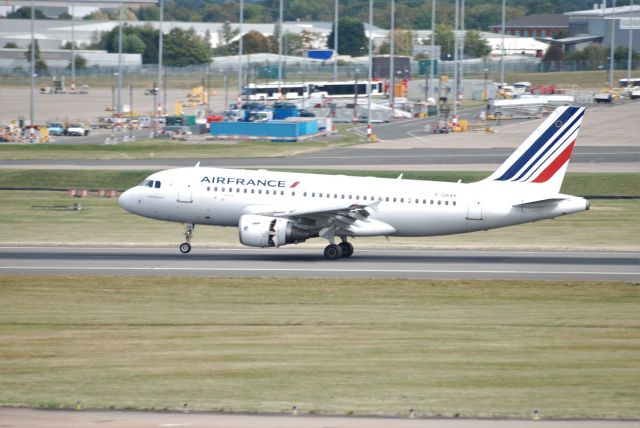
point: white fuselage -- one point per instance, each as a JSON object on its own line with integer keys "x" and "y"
{"x": 213, "y": 196}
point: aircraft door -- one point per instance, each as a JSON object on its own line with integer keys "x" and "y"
{"x": 185, "y": 194}
{"x": 474, "y": 210}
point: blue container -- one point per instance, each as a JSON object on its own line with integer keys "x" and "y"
{"x": 272, "y": 129}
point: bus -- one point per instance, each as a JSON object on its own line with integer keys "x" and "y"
{"x": 291, "y": 91}
{"x": 275, "y": 91}
{"x": 629, "y": 82}
{"x": 344, "y": 89}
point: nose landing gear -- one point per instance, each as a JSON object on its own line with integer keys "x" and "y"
{"x": 185, "y": 247}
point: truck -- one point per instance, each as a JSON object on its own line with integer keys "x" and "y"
{"x": 76, "y": 129}
{"x": 55, "y": 128}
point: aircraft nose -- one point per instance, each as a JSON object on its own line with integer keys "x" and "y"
{"x": 127, "y": 200}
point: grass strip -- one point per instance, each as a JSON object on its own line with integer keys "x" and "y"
{"x": 172, "y": 149}
{"x": 364, "y": 347}
{"x": 602, "y": 184}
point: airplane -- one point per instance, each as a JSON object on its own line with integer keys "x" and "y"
{"x": 272, "y": 209}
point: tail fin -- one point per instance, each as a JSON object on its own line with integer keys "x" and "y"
{"x": 544, "y": 156}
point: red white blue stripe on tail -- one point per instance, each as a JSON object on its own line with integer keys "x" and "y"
{"x": 546, "y": 151}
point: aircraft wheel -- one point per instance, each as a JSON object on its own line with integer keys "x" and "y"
{"x": 185, "y": 248}
{"x": 332, "y": 252}
{"x": 347, "y": 249}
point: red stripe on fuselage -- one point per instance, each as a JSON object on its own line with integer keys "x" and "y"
{"x": 555, "y": 165}
{"x": 294, "y": 185}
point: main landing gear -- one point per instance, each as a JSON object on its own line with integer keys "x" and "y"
{"x": 336, "y": 251}
{"x": 185, "y": 247}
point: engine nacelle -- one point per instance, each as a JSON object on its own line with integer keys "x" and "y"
{"x": 263, "y": 231}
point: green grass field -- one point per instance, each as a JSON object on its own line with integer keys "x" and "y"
{"x": 471, "y": 348}
{"x": 170, "y": 149}
{"x": 609, "y": 225}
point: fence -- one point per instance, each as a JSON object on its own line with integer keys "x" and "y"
{"x": 186, "y": 77}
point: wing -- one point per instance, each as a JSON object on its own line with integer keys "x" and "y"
{"x": 342, "y": 219}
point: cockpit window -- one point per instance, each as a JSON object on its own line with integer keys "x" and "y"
{"x": 146, "y": 183}
{"x": 157, "y": 185}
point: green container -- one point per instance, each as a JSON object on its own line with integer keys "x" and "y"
{"x": 424, "y": 66}
{"x": 270, "y": 72}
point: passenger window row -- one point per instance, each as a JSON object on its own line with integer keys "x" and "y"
{"x": 330, "y": 196}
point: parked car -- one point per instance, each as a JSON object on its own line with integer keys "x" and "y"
{"x": 75, "y": 129}
{"x": 55, "y": 128}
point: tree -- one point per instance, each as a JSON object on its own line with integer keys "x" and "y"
{"x": 351, "y": 37}
{"x": 402, "y": 44}
{"x": 253, "y": 42}
{"x": 80, "y": 61}
{"x": 68, "y": 46}
{"x": 65, "y": 15}
{"x": 293, "y": 44}
{"x": 41, "y": 65}
{"x": 10, "y": 45}
{"x": 444, "y": 39}
{"x": 148, "y": 13}
{"x": 553, "y": 56}
{"x": 182, "y": 48}
{"x": 475, "y": 46}
{"x": 131, "y": 42}
{"x": 25, "y": 13}
{"x": 593, "y": 55}
{"x": 111, "y": 14}
{"x": 622, "y": 54}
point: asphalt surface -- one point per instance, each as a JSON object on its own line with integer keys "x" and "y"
{"x": 296, "y": 262}
{"x": 23, "y": 418}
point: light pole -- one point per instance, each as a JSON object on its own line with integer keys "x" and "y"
{"x": 432, "y": 71}
{"x": 226, "y": 89}
{"x": 119, "y": 100}
{"x": 629, "y": 49}
{"x": 391, "y": 57}
{"x": 160, "y": 46}
{"x": 613, "y": 44}
{"x": 455, "y": 60}
{"x": 280, "y": 48}
{"x": 33, "y": 75}
{"x": 335, "y": 42}
{"x": 73, "y": 49}
{"x": 369, "y": 131}
{"x": 240, "y": 53}
{"x": 485, "y": 95}
{"x": 502, "y": 46}
{"x": 462, "y": 34}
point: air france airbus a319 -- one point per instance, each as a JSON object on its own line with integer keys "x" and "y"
{"x": 272, "y": 209}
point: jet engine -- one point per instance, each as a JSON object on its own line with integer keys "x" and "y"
{"x": 263, "y": 231}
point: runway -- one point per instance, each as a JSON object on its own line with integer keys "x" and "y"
{"x": 296, "y": 262}
{"x": 15, "y": 417}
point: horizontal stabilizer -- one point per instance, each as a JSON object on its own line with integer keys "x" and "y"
{"x": 539, "y": 202}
